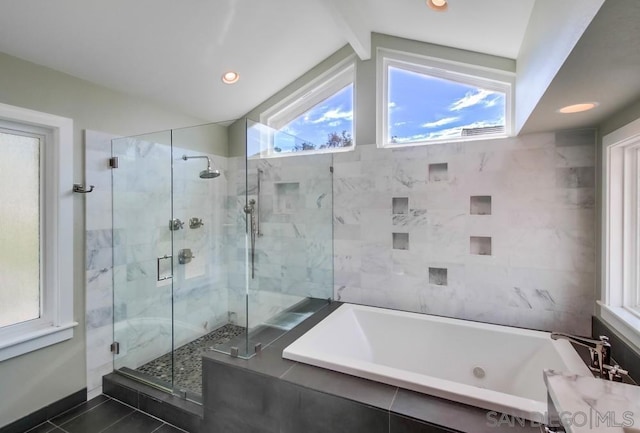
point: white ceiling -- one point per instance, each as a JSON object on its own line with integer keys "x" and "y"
{"x": 174, "y": 52}
{"x": 603, "y": 67}
{"x": 490, "y": 26}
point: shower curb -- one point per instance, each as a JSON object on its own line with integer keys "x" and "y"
{"x": 169, "y": 408}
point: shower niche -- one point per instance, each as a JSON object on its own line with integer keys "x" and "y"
{"x": 191, "y": 273}
{"x": 287, "y": 199}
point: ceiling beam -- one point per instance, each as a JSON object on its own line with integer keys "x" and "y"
{"x": 348, "y": 16}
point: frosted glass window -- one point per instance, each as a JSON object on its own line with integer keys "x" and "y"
{"x": 20, "y": 297}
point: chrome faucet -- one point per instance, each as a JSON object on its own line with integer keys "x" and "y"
{"x": 600, "y": 351}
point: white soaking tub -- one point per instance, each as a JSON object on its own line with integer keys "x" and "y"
{"x": 494, "y": 367}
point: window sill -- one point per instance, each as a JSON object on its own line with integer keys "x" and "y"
{"x": 34, "y": 340}
{"x": 305, "y": 152}
{"x": 460, "y": 139}
{"x": 623, "y": 321}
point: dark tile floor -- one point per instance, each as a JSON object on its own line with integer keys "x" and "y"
{"x": 104, "y": 414}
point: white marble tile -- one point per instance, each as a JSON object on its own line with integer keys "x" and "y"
{"x": 589, "y": 404}
{"x": 536, "y": 228}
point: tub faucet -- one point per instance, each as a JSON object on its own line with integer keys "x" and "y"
{"x": 600, "y": 351}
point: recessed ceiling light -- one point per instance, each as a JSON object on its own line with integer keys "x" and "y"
{"x": 578, "y": 108}
{"x": 438, "y": 5}
{"x": 230, "y": 77}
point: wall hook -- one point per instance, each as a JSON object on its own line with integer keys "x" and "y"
{"x": 80, "y": 188}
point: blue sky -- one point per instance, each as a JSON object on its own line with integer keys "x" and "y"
{"x": 421, "y": 108}
{"x": 334, "y": 114}
{"x": 426, "y": 108}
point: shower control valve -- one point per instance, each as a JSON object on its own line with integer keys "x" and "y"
{"x": 195, "y": 223}
{"x": 185, "y": 256}
{"x": 175, "y": 224}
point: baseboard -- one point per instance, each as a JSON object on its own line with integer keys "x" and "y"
{"x": 50, "y": 411}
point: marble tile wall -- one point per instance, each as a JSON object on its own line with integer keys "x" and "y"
{"x": 98, "y": 260}
{"x": 293, "y": 257}
{"x": 121, "y": 259}
{"x": 507, "y": 225}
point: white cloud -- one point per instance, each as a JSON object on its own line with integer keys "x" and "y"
{"x": 400, "y": 123}
{"x": 392, "y": 104}
{"x": 332, "y": 116}
{"x": 441, "y": 122}
{"x": 491, "y": 102}
{"x": 471, "y": 99}
{"x": 449, "y": 132}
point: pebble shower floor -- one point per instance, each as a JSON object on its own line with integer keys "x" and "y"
{"x": 188, "y": 359}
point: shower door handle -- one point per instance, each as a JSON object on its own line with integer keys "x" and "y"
{"x": 165, "y": 276}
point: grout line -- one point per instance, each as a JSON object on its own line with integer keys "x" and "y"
{"x": 288, "y": 370}
{"x": 393, "y": 400}
{"x": 157, "y": 428}
{"x": 123, "y": 403}
{"x": 114, "y": 423}
{"x": 148, "y": 414}
{"x": 42, "y": 423}
{"x": 80, "y": 414}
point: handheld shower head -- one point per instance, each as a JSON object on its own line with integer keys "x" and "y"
{"x": 209, "y": 173}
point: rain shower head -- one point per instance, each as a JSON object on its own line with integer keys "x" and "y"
{"x": 209, "y": 173}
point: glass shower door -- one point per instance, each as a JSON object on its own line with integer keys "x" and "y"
{"x": 142, "y": 258}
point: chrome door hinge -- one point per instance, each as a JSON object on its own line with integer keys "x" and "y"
{"x": 113, "y": 162}
{"x": 115, "y": 348}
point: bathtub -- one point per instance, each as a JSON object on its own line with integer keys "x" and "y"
{"x": 493, "y": 367}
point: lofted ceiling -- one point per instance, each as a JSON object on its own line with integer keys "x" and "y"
{"x": 174, "y": 52}
{"x": 603, "y": 67}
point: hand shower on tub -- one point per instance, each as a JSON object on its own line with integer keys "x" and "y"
{"x": 253, "y": 210}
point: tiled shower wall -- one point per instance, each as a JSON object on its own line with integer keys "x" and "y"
{"x": 293, "y": 258}
{"x": 499, "y": 231}
{"x": 142, "y": 202}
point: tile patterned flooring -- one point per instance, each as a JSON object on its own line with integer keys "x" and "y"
{"x": 104, "y": 415}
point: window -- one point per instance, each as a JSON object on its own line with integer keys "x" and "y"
{"x": 20, "y": 192}
{"x": 317, "y": 118}
{"x": 36, "y": 264}
{"x": 620, "y": 304}
{"x": 423, "y": 101}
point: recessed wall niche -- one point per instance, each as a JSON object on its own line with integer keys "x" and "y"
{"x": 480, "y": 205}
{"x": 438, "y": 172}
{"x": 400, "y": 241}
{"x": 481, "y": 245}
{"x": 438, "y": 276}
{"x": 400, "y": 205}
{"x": 287, "y": 197}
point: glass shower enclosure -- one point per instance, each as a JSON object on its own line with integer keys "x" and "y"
{"x": 215, "y": 247}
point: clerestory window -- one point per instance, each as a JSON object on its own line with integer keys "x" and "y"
{"x": 318, "y": 118}
{"x": 424, "y": 101}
